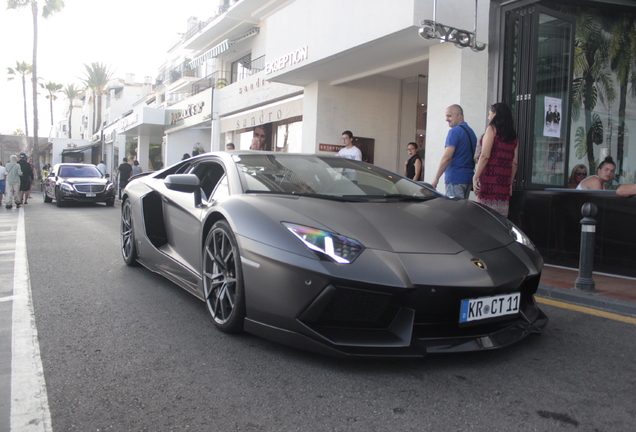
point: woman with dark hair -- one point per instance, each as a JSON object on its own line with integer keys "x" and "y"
{"x": 496, "y": 158}
{"x": 604, "y": 174}
{"x": 413, "y": 166}
{"x": 579, "y": 172}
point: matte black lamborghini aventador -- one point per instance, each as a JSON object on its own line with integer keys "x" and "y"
{"x": 333, "y": 255}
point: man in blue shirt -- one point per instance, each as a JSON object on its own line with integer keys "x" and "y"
{"x": 457, "y": 160}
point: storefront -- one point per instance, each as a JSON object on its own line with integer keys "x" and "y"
{"x": 188, "y": 127}
{"x": 143, "y": 130}
{"x": 261, "y": 115}
{"x": 568, "y": 71}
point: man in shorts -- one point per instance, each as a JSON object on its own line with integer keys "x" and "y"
{"x": 3, "y": 181}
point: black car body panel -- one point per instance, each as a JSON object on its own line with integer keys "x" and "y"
{"x": 419, "y": 254}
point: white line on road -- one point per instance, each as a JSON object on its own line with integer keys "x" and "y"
{"x": 29, "y": 402}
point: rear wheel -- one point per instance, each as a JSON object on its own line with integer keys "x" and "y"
{"x": 128, "y": 248}
{"x": 223, "y": 279}
{"x": 47, "y": 199}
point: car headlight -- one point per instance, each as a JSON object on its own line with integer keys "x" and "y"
{"x": 109, "y": 186}
{"x": 66, "y": 186}
{"x": 519, "y": 236}
{"x": 338, "y": 248}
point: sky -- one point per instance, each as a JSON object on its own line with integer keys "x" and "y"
{"x": 130, "y": 36}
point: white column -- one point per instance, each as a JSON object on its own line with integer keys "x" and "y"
{"x": 456, "y": 76}
{"x": 143, "y": 147}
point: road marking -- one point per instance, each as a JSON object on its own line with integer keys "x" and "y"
{"x": 590, "y": 311}
{"x": 29, "y": 401}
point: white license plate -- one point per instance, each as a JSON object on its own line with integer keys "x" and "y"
{"x": 489, "y": 307}
{"x": 91, "y": 195}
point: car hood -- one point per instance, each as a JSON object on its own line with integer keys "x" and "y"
{"x": 440, "y": 225}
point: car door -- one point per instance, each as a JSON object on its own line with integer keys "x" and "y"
{"x": 182, "y": 216}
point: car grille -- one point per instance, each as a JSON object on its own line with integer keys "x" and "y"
{"x": 89, "y": 188}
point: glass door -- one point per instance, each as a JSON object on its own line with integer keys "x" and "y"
{"x": 537, "y": 78}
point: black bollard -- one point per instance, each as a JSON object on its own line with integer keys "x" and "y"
{"x": 586, "y": 259}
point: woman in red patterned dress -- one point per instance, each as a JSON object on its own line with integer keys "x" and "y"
{"x": 496, "y": 158}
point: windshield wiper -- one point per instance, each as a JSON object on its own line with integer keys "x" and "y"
{"x": 404, "y": 197}
{"x": 343, "y": 198}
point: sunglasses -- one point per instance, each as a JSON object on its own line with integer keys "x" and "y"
{"x": 581, "y": 173}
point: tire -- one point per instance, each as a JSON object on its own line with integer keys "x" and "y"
{"x": 128, "y": 246}
{"x": 47, "y": 199}
{"x": 223, "y": 279}
{"x": 58, "y": 199}
{"x": 110, "y": 202}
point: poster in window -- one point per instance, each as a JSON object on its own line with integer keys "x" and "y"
{"x": 552, "y": 125}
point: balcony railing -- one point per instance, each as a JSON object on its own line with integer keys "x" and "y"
{"x": 222, "y": 78}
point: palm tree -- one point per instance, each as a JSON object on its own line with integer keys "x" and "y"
{"x": 23, "y": 69}
{"x": 51, "y": 88}
{"x": 591, "y": 60}
{"x": 71, "y": 93}
{"x": 623, "y": 62}
{"x": 96, "y": 78}
{"x": 48, "y": 9}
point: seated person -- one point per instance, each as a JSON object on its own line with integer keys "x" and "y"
{"x": 604, "y": 174}
{"x": 579, "y": 172}
{"x": 626, "y": 190}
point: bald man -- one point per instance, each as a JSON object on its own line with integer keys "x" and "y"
{"x": 457, "y": 161}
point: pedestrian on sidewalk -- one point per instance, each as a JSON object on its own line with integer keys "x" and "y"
{"x": 13, "y": 182}
{"x": 3, "y": 183}
{"x": 26, "y": 178}
{"x": 457, "y": 161}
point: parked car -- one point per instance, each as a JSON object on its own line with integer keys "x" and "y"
{"x": 69, "y": 182}
{"x": 333, "y": 255}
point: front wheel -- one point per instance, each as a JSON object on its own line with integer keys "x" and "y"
{"x": 128, "y": 248}
{"x": 58, "y": 198}
{"x": 223, "y": 279}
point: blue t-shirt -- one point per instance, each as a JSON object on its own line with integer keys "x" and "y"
{"x": 462, "y": 167}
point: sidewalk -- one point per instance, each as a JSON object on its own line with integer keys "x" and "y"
{"x": 613, "y": 293}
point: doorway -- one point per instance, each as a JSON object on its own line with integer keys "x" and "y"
{"x": 537, "y": 85}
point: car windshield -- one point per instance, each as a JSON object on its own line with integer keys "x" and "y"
{"x": 79, "y": 171}
{"x": 327, "y": 177}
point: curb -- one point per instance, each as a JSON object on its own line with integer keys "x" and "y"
{"x": 589, "y": 299}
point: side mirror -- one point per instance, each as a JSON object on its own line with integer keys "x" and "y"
{"x": 183, "y": 182}
{"x": 107, "y": 175}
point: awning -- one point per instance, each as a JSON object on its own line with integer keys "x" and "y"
{"x": 222, "y": 47}
{"x": 292, "y": 107}
{"x": 80, "y": 149}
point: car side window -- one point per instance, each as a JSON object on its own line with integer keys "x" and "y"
{"x": 209, "y": 174}
{"x": 222, "y": 189}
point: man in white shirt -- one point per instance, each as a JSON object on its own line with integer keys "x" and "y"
{"x": 349, "y": 151}
{"x": 102, "y": 167}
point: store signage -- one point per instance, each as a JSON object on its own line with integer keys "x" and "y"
{"x": 287, "y": 60}
{"x": 128, "y": 121}
{"x": 189, "y": 111}
{"x": 330, "y": 148}
{"x": 260, "y": 82}
{"x": 461, "y": 38}
{"x": 271, "y": 113}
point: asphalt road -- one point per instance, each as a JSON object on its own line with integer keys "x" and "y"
{"x": 124, "y": 349}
